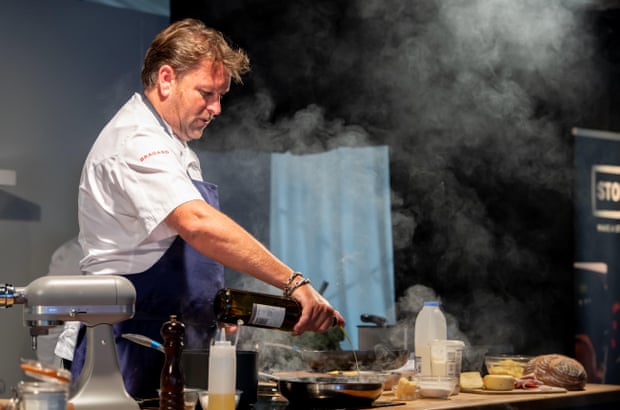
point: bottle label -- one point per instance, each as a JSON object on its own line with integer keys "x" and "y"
{"x": 265, "y": 315}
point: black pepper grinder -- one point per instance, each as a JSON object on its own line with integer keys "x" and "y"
{"x": 172, "y": 382}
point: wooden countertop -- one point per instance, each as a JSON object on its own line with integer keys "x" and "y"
{"x": 593, "y": 395}
{"x": 604, "y": 396}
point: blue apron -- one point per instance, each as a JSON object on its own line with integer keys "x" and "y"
{"x": 182, "y": 282}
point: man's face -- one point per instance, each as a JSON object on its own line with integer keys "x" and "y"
{"x": 195, "y": 99}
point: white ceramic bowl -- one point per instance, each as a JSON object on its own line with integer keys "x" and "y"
{"x": 436, "y": 386}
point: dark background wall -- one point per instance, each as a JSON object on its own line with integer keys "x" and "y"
{"x": 476, "y": 100}
{"x": 67, "y": 67}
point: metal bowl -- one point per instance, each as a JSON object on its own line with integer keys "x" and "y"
{"x": 379, "y": 360}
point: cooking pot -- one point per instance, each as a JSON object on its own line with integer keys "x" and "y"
{"x": 376, "y": 334}
{"x": 326, "y": 392}
{"x": 377, "y": 360}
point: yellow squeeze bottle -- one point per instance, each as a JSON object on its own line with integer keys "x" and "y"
{"x": 222, "y": 374}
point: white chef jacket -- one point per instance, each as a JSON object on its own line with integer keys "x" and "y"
{"x": 136, "y": 173}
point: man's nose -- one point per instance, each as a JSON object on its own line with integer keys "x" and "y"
{"x": 215, "y": 106}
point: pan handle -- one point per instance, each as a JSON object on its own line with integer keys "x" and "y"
{"x": 377, "y": 320}
{"x": 268, "y": 376}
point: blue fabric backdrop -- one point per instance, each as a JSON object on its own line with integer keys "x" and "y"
{"x": 330, "y": 218}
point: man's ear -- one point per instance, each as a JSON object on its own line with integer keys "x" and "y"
{"x": 166, "y": 78}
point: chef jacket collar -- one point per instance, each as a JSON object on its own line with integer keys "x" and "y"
{"x": 161, "y": 121}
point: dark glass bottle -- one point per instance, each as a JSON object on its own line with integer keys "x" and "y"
{"x": 256, "y": 309}
{"x": 172, "y": 382}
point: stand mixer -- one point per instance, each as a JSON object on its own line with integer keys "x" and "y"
{"x": 96, "y": 301}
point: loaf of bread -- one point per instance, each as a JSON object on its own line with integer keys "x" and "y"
{"x": 558, "y": 370}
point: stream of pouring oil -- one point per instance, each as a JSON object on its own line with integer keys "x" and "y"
{"x": 346, "y": 335}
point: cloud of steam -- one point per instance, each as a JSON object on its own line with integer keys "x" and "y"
{"x": 482, "y": 90}
{"x": 475, "y": 99}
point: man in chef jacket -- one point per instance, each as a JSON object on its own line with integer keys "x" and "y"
{"x": 145, "y": 212}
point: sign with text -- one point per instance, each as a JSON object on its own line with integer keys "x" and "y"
{"x": 597, "y": 253}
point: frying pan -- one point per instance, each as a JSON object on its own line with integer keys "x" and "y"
{"x": 327, "y": 392}
{"x": 376, "y": 360}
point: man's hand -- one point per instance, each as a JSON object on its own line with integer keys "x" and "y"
{"x": 317, "y": 314}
